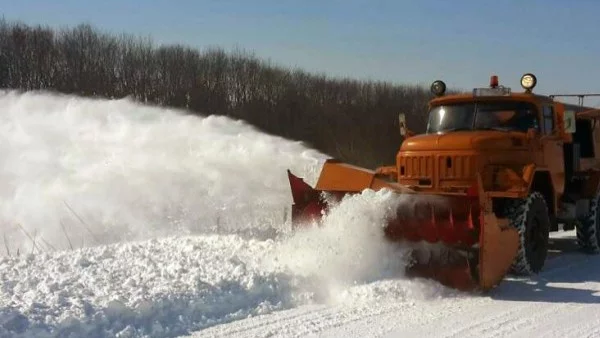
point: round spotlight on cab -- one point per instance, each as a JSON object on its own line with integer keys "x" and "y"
{"x": 528, "y": 81}
{"x": 438, "y": 88}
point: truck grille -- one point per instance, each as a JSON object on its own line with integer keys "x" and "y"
{"x": 416, "y": 167}
{"x": 422, "y": 168}
{"x": 456, "y": 167}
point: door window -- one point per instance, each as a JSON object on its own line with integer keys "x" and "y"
{"x": 548, "y": 120}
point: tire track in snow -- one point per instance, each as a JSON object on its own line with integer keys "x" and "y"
{"x": 298, "y": 322}
{"x": 513, "y": 315}
{"x": 567, "y": 324}
{"x": 310, "y": 320}
{"x": 502, "y": 323}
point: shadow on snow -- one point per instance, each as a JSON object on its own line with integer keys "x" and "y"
{"x": 569, "y": 276}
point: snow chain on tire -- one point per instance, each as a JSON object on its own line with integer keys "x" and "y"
{"x": 518, "y": 213}
{"x": 588, "y": 229}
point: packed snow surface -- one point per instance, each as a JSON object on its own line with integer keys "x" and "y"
{"x": 125, "y": 220}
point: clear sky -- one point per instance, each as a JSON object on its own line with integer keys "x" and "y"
{"x": 461, "y": 42}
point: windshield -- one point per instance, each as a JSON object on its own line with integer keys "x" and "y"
{"x": 504, "y": 115}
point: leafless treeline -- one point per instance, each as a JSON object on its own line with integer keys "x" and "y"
{"x": 355, "y": 121}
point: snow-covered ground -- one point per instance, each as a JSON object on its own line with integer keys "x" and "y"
{"x": 126, "y": 220}
{"x": 563, "y": 301}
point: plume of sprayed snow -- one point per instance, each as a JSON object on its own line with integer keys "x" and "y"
{"x": 79, "y": 172}
{"x": 348, "y": 248}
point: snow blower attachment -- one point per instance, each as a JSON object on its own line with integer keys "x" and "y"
{"x": 475, "y": 251}
{"x": 494, "y": 172}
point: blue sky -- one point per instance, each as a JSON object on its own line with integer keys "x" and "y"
{"x": 460, "y": 42}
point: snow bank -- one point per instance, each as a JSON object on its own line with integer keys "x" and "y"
{"x": 161, "y": 287}
{"x": 173, "y": 286}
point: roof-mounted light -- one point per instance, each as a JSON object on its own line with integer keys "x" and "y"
{"x": 438, "y": 88}
{"x": 528, "y": 81}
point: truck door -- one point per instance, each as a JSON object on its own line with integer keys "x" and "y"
{"x": 552, "y": 147}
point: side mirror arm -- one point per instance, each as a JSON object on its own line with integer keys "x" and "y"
{"x": 404, "y": 131}
{"x": 407, "y": 133}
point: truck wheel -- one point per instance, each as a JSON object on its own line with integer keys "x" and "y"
{"x": 588, "y": 229}
{"x": 530, "y": 216}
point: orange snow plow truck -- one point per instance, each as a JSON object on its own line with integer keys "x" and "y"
{"x": 509, "y": 168}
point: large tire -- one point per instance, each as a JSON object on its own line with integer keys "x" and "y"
{"x": 530, "y": 216}
{"x": 588, "y": 229}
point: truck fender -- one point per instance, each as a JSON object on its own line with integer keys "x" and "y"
{"x": 540, "y": 179}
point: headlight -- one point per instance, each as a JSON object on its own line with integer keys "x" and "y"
{"x": 528, "y": 81}
{"x": 438, "y": 88}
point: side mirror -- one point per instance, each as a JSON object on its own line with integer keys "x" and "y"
{"x": 402, "y": 122}
{"x": 569, "y": 122}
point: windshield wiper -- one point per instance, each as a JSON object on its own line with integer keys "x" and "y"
{"x": 455, "y": 129}
{"x": 494, "y": 128}
{"x": 474, "y": 129}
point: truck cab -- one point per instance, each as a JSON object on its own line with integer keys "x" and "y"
{"x": 523, "y": 148}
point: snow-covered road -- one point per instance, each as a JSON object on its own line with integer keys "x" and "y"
{"x": 135, "y": 221}
{"x": 563, "y": 301}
